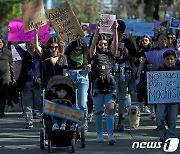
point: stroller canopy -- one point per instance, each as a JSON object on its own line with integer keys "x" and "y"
{"x": 59, "y": 79}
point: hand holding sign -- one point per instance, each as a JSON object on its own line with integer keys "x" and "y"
{"x": 33, "y": 15}
{"x": 107, "y": 21}
{"x": 65, "y": 23}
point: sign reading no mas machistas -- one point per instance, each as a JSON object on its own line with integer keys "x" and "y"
{"x": 163, "y": 87}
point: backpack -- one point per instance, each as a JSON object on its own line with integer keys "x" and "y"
{"x": 101, "y": 68}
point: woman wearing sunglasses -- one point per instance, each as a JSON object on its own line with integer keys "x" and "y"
{"x": 145, "y": 45}
{"x": 54, "y": 63}
{"x": 77, "y": 52}
{"x": 102, "y": 68}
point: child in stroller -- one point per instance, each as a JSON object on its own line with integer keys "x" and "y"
{"x": 61, "y": 92}
{"x": 60, "y": 112}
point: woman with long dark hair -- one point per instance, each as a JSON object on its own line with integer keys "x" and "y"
{"x": 77, "y": 52}
{"x": 102, "y": 68}
{"x": 6, "y": 74}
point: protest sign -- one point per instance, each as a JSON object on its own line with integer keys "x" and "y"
{"x": 163, "y": 87}
{"x": 85, "y": 28}
{"x": 106, "y": 23}
{"x": 62, "y": 111}
{"x": 65, "y": 23}
{"x": 174, "y": 23}
{"x": 157, "y": 25}
{"x": 143, "y": 28}
{"x": 33, "y": 15}
{"x": 130, "y": 23}
{"x": 16, "y": 32}
{"x": 155, "y": 57}
{"x": 15, "y": 54}
{"x": 120, "y": 52}
{"x": 92, "y": 28}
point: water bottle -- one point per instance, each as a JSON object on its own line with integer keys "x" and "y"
{"x": 127, "y": 98}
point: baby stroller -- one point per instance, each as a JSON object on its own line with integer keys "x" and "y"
{"x": 73, "y": 131}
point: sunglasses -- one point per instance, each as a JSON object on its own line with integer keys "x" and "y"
{"x": 78, "y": 50}
{"x": 54, "y": 47}
{"x": 145, "y": 40}
{"x": 163, "y": 39}
{"x": 101, "y": 44}
{"x": 169, "y": 37}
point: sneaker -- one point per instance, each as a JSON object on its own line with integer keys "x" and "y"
{"x": 55, "y": 127}
{"x": 152, "y": 116}
{"x": 9, "y": 109}
{"x": 163, "y": 138}
{"x": 86, "y": 125}
{"x": 146, "y": 110}
{"x": 111, "y": 139}
{"x": 90, "y": 116}
{"x": 63, "y": 126}
{"x": 29, "y": 125}
{"x": 99, "y": 138}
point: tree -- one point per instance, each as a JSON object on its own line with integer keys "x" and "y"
{"x": 152, "y": 8}
{"x": 86, "y": 11}
{"x": 10, "y": 10}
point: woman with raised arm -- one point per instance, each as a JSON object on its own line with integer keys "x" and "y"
{"x": 104, "y": 86}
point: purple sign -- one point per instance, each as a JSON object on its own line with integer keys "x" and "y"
{"x": 16, "y": 32}
{"x": 92, "y": 28}
{"x": 155, "y": 57}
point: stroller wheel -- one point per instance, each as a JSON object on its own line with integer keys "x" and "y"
{"x": 42, "y": 138}
{"x": 82, "y": 137}
{"x": 73, "y": 145}
{"x": 49, "y": 145}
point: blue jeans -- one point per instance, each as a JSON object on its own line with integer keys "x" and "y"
{"x": 171, "y": 110}
{"x": 30, "y": 95}
{"x": 101, "y": 101}
{"x": 81, "y": 81}
{"x": 121, "y": 92}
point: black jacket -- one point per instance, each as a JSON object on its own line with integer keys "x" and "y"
{"x": 26, "y": 65}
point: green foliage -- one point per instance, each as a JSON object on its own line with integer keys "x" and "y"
{"x": 86, "y": 11}
{"x": 10, "y": 9}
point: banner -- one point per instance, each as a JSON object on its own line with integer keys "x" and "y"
{"x": 174, "y": 23}
{"x": 130, "y": 23}
{"x": 33, "y": 15}
{"x": 143, "y": 28}
{"x": 163, "y": 87}
{"x": 107, "y": 22}
{"x": 17, "y": 34}
{"x": 62, "y": 111}
{"x": 65, "y": 23}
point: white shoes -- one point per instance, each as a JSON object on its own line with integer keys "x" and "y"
{"x": 99, "y": 138}
{"x": 145, "y": 109}
{"x": 63, "y": 126}
{"x": 111, "y": 139}
{"x": 152, "y": 116}
{"x": 9, "y": 109}
{"x": 55, "y": 127}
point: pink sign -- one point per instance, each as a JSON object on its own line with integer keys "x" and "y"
{"x": 17, "y": 34}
